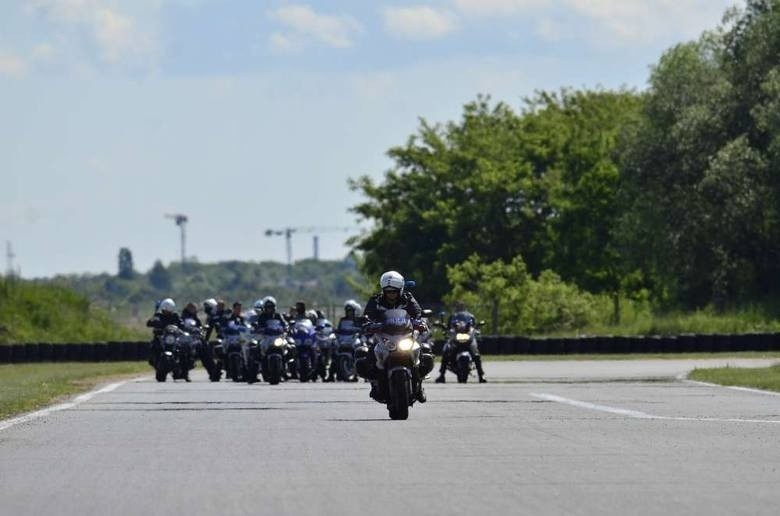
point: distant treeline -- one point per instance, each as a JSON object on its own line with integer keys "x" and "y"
{"x": 130, "y": 296}
{"x": 669, "y": 198}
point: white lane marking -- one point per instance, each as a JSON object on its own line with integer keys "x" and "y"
{"x": 635, "y": 414}
{"x": 78, "y": 400}
{"x": 592, "y": 406}
{"x": 732, "y": 387}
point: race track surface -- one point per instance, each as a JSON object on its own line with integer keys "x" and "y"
{"x": 542, "y": 438}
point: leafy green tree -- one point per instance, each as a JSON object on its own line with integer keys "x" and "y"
{"x": 126, "y": 270}
{"x": 521, "y": 305}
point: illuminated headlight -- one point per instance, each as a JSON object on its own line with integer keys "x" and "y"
{"x": 462, "y": 337}
{"x": 280, "y": 342}
{"x": 405, "y": 344}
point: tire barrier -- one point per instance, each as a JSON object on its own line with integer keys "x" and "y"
{"x": 488, "y": 345}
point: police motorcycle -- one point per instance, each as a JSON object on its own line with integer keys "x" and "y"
{"x": 400, "y": 359}
{"x": 235, "y": 344}
{"x": 326, "y": 343}
{"x": 273, "y": 351}
{"x": 348, "y": 339}
{"x": 175, "y": 355}
{"x": 304, "y": 367}
{"x": 461, "y": 343}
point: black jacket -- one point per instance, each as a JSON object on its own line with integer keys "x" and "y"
{"x": 162, "y": 319}
{"x": 378, "y": 305}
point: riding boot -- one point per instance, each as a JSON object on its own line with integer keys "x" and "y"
{"x": 442, "y": 370}
{"x": 480, "y": 372}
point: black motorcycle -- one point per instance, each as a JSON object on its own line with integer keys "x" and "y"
{"x": 174, "y": 357}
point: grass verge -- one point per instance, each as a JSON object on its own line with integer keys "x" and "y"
{"x": 633, "y": 356}
{"x": 26, "y": 387}
{"x": 766, "y": 378}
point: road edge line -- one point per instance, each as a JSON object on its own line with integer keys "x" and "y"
{"x": 78, "y": 400}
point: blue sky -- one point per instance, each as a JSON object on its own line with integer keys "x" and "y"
{"x": 247, "y": 115}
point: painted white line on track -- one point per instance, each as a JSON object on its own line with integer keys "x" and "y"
{"x": 635, "y": 414}
{"x": 78, "y": 400}
{"x": 732, "y": 387}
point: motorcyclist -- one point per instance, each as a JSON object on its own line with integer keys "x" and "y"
{"x": 461, "y": 314}
{"x": 215, "y": 313}
{"x": 392, "y": 297}
{"x": 268, "y": 312}
{"x": 258, "y": 308}
{"x": 164, "y": 316}
{"x": 232, "y": 321}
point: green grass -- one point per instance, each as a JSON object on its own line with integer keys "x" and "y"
{"x": 633, "y": 356}
{"x": 639, "y": 319}
{"x": 39, "y": 313}
{"x": 767, "y": 378}
{"x": 26, "y": 387}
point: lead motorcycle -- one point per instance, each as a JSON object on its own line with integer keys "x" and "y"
{"x": 174, "y": 356}
{"x": 401, "y": 360}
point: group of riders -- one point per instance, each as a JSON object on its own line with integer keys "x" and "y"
{"x": 221, "y": 321}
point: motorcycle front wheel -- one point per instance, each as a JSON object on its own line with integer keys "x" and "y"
{"x": 399, "y": 396}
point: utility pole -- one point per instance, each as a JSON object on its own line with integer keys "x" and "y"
{"x": 287, "y": 233}
{"x": 181, "y": 221}
{"x": 316, "y": 248}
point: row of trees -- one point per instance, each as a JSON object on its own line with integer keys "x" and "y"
{"x": 670, "y": 193}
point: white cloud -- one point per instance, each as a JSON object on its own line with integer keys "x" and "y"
{"x": 12, "y": 65}
{"x": 303, "y": 24}
{"x": 419, "y": 22}
{"x": 606, "y": 22}
{"x": 282, "y": 44}
{"x": 500, "y": 7}
{"x": 116, "y": 34}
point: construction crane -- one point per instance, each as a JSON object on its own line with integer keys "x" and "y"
{"x": 287, "y": 233}
{"x": 181, "y": 221}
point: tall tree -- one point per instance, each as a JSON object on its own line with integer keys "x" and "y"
{"x": 159, "y": 277}
{"x": 126, "y": 270}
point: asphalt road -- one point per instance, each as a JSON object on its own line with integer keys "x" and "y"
{"x": 543, "y": 438}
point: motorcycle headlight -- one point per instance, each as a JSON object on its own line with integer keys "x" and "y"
{"x": 280, "y": 342}
{"x": 462, "y": 337}
{"x": 170, "y": 339}
{"x": 405, "y": 344}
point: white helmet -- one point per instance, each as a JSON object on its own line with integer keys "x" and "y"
{"x": 258, "y": 306}
{"x": 209, "y": 304}
{"x": 167, "y": 305}
{"x": 269, "y": 300}
{"x": 354, "y": 305}
{"x": 392, "y": 279}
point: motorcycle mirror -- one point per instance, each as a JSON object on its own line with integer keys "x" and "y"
{"x": 427, "y": 312}
{"x": 410, "y": 283}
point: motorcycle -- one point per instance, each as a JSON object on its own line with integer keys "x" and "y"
{"x": 398, "y": 355}
{"x": 347, "y": 341}
{"x": 462, "y": 341}
{"x": 325, "y": 343}
{"x": 273, "y": 352}
{"x": 307, "y": 352}
{"x": 235, "y": 345}
{"x": 174, "y": 355}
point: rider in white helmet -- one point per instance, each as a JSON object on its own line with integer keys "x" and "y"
{"x": 393, "y": 296}
{"x": 165, "y": 316}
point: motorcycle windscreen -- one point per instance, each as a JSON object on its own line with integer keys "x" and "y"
{"x": 273, "y": 327}
{"x": 396, "y": 322}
